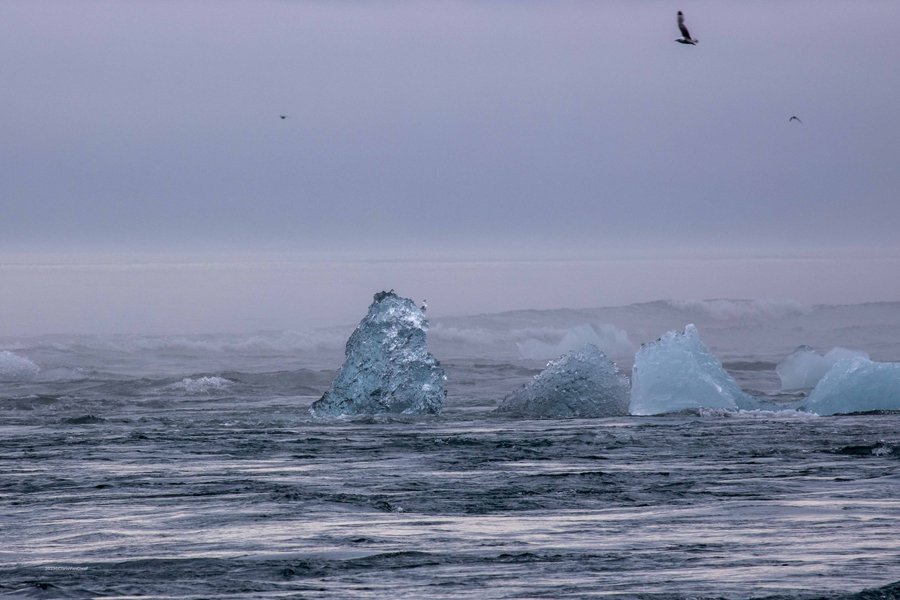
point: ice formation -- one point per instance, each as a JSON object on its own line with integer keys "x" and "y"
{"x": 677, "y": 372}
{"x": 582, "y": 383}
{"x": 609, "y": 338}
{"x": 804, "y": 367}
{"x": 388, "y": 368}
{"x": 16, "y": 368}
{"x": 856, "y": 385}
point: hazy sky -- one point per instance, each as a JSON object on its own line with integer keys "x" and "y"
{"x": 445, "y": 130}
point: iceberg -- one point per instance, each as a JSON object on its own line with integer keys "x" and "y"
{"x": 804, "y": 367}
{"x": 677, "y": 372}
{"x": 856, "y": 385}
{"x": 388, "y": 368}
{"x": 16, "y": 368}
{"x": 581, "y": 383}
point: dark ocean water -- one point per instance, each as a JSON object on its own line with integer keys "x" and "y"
{"x": 187, "y": 466}
{"x": 220, "y": 485}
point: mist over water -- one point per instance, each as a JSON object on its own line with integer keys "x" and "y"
{"x": 109, "y": 295}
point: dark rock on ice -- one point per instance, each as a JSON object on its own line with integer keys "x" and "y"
{"x": 582, "y": 383}
{"x": 388, "y": 368}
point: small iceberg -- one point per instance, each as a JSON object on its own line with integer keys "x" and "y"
{"x": 388, "y": 368}
{"x": 580, "y": 384}
{"x": 677, "y": 372}
{"x": 804, "y": 367}
{"x": 856, "y": 385}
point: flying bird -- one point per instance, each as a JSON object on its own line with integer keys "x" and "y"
{"x": 282, "y": 116}
{"x": 795, "y": 118}
{"x": 685, "y": 34}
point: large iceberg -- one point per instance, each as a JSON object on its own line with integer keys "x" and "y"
{"x": 804, "y": 367}
{"x": 582, "y": 383}
{"x": 388, "y": 368}
{"x": 856, "y": 385}
{"x": 677, "y": 372}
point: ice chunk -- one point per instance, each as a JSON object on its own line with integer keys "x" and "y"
{"x": 677, "y": 372}
{"x": 609, "y": 338}
{"x": 16, "y": 368}
{"x": 582, "y": 383}
{"x": 804, "y": 367}
{"x": 856, "y": 385}
{"x": 387, "y": 368}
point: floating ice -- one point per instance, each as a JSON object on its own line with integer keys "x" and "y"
{"x": 16, "y": 368}
{"x": 609, "y": 338}
{"x": 581, "y": 383}
{"x": 804, "y": 367}
{"x": 856, "y": 385}
{"x": 677, "y": 372}
{"x": 387, "y": 368}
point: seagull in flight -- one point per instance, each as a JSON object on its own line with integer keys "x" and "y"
{"x": 795, "y": 118}
{"x": 282, "y": 117}
{"x": 685, "y": 34}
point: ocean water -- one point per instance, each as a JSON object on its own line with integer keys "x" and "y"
{"x": 159, "y": 467}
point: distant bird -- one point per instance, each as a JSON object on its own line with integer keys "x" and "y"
{"x": 685, "y": 34}
{"x": 795, "y": 118}
{"x": 424, "y": 305}
{"x": 283, "y": 116}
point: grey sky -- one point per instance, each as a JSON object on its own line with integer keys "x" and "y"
{"x": 571, "y": 128}
{"x": 452, "y": 130}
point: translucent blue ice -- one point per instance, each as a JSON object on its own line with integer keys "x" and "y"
{"x": 804, "y": 367}
{"x": 677, "y": 372}
{"x": 856, "y": 385}
{"x": 582, "y": 383}
{"x": 388, "y": 368}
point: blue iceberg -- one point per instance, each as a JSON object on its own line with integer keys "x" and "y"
{"x": 804, "y": 367}
{"x": 388, "y": 368}
{"x": 677, "y": 372}
{"x": 582, "y": 383}
{"x": 856, "y": 385}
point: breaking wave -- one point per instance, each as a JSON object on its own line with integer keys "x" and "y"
{"x": 201, "y": 385}
{"x": 724, "y": 310}
{"x": 610, "y": 339}
{"x": 16, "y": 368}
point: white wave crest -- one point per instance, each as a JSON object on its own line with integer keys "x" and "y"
{"x": 726, "y": 310}
{"x": 609, "y": 338}
{"x": 759, "y": 413}
{"x": 201, "y": 385}
{"x": 205, "y": 344}
{"x": 466, "y": 335}
{"x": 16, "y": 368}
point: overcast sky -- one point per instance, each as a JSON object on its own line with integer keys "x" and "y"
{"x": 448, "y": 130}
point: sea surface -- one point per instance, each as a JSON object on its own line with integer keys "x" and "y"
{"x": 188, "y": 466}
